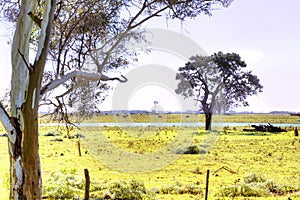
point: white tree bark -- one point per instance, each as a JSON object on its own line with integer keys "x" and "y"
{"x": 43, "y": 34}
{"x": 20, "y": 75}
{"x": 19, "y": 83}
{"x": 21, "y": 125}
{"x": 5, "y": 120}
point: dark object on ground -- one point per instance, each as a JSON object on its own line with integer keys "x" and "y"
{"x": 266, "y": 128}
{"x": 249, "y": 129}
{"x": 295, "y": 114}
{"x": 49, "y": 134}
{"x": 74, "y": 136}
{"x": 4, "y": 135}
{"x": 193, "y": 149}
{"x": 78, "y": 135}
{"x": 53, "y": 133}
{"x": 296, "y": 132}
{"x": 56, "y": 140}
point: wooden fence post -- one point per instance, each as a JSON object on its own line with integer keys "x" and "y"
{"x": 207, "y": 182}
{"x": 87, "y": 184}
{"x": 79, "y": 149}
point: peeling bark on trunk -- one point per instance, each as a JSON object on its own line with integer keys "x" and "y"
{"x": 16, "y": 169}
{"x": 22, "y": 126}
{"x": 19, "y": 83}
{"x": 31, "y": 162}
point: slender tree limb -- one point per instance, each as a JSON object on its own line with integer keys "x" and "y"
{"x": 70, "y": 90}
{"x": 79, "y": 74}
{"x": 124, "y": 80}
{"x": 61, "y": 107}
{"x": 129, "y": 28}
{"x": 30, "y": 68}
{"x": 110, "y": 51}
{"x": 139, "y": 13}
{"x": 7, "y": 124}
{"x": 46, "y": 28}
{"x": 156, "y": 14}
{"x": 36, "y": 19}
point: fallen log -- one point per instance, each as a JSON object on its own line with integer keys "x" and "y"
{"x": 294, "y": 114}
{"x": 265, "y": 128}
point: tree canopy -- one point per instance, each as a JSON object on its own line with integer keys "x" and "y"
{"x": 67, "y": 32}
{"x": 217, "y": 82}
{"x": 95, "y": 32}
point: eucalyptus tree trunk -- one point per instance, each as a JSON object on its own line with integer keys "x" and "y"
{"x": 19, "y": 83}
{"x": 22, "y": 123}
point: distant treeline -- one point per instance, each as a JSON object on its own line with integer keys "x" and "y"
{"x": 186, "y": 112}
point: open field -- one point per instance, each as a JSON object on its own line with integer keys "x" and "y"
{"x": 243, "y": 165}
{"x": 245, "y": 118}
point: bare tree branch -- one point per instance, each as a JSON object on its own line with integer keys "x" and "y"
{"x": 7, "y": 124}
{"x": 46, "y": 27}
{"x": 70, "y": 90}
{"x": 131, "y": 25}
{"x": 110, "y": 51}
{"x": 30, "y": 69}
{"x": 156, "y": 14}
{"x": 79, "y": 74}
{"x": 36, "y": 19}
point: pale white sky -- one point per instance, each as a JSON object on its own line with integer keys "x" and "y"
{"x": 266, "y": 33}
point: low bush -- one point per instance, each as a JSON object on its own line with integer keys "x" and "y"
{"x": 255, "y": 185}
{"x": 132, "y": 190}
{"x": 254, "y": 178}
{"x": 193, "y": 149}
{"x": 67, "y": 185}
{"x": 63, "y": 185}
{"x": 179, "y": 189}
{"x": 53, "y": 133}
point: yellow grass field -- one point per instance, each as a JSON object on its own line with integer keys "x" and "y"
{"x": 150, "y": 163}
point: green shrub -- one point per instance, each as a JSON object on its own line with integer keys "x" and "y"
{"x": 252, "y": 190}
{"x": 295, "y": 195}
{"x": 255, "y": 185}
{"x": 190, "y": 189}
{"x": 66, "y": 185}
{"x": 244, "y": 190}
{"x": 272, "y": 187}
{"x": 193, "y": 149}
{"x": 254, "y": 178}
{"x": 230, "y": 191}
{"x": 290, "y": 189}
{"x": 179, "y": 189}
{"x": 63, "y": 185}
{"x": 132, "y": 190}
{"x": 168, "y": 189}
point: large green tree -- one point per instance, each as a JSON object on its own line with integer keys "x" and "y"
{"x": 67, "y": 32}
{"x": 217, "y": 82}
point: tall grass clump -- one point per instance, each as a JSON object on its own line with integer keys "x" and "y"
{"x": 63, "y": 185}
{"x": 67, "y": 185}
{"x": 179, "y": 188}
{"x": 131, "y": 190}
{"x": 256, "y": 185}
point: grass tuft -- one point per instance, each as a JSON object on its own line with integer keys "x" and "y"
{"x": 256, "y": 185}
